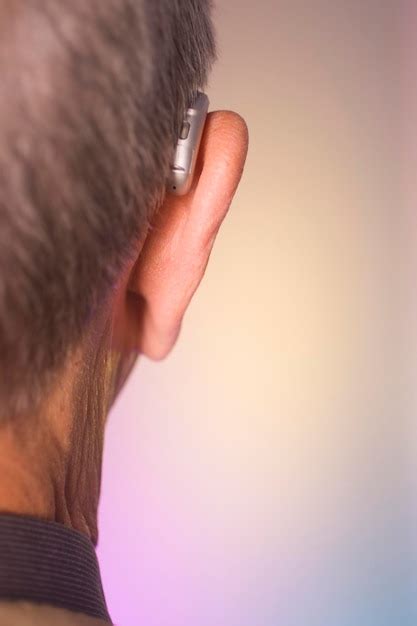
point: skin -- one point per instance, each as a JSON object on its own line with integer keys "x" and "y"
{"x": 50, "y": 462}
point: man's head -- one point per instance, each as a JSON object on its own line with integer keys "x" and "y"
{"x": 97, "y": 265}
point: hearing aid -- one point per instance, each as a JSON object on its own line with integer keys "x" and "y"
{"x": 186, "y": 153}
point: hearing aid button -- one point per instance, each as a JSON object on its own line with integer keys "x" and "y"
{"x": 185, "y": 130}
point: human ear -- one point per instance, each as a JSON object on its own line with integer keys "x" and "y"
{"x": 175, "y": 254}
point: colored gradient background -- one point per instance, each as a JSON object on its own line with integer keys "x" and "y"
{"x": 263, "y": 475}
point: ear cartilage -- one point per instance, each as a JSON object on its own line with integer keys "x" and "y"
{"x": 186, "y": 153}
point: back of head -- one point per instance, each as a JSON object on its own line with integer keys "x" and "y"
{"x": 91, "y": 98}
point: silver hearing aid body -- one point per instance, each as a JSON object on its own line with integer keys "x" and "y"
{"x": 185, "y": 158}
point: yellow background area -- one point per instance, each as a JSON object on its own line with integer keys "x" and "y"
{"x": 259, "y": 476}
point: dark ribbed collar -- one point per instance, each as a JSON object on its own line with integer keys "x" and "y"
{"x": 44, "y": 562}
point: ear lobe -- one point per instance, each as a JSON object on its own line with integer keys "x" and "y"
{"x": 176, "y": 252}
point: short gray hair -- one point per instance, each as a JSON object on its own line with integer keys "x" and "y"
{"x": 92, "y": 93}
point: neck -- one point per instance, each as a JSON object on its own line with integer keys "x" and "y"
{"x": 50, "y": 462}
{"x": 25, "y": 487}
{"x": 42, "y": 476}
